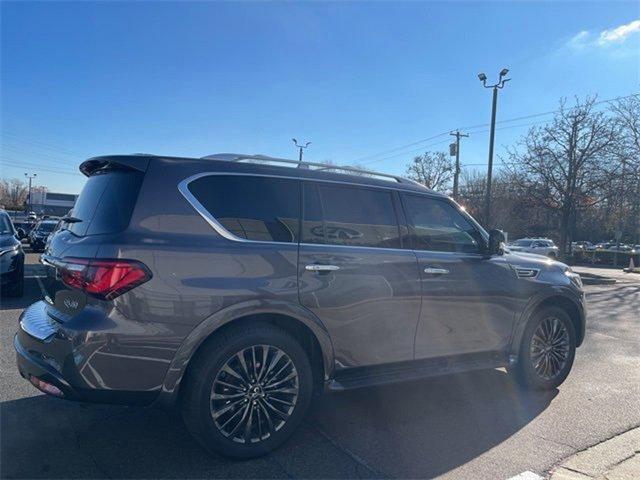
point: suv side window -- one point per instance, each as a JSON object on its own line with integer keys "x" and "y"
{"x": 354, "y": 216}
{"x": 254, "y": 208}
{"x": 436, "y": 225}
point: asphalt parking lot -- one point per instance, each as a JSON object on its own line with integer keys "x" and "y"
{"x": 476, "y": 425}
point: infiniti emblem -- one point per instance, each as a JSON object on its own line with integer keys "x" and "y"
{"x": 70, "y": 303}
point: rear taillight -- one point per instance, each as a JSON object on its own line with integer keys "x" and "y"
{"x": 105, "y": 279}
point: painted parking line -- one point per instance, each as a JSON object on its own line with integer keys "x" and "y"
{"x": 527, "y": 476}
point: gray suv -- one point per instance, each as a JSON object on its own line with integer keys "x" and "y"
{"x": 236, "y": 288}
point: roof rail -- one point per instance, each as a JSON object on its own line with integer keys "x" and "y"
{"x": 304, "y": 164}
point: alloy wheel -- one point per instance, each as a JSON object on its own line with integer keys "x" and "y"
{"x": 550, "y": 348}
{"x": 254, "y": 394}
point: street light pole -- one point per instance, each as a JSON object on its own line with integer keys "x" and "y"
{"x": 301, "y": 148}
{"x": 494, "y": 105}
{"x": 456, "y": 174}
{"x": 30, "y": 177}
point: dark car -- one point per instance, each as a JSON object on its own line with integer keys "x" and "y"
{"x": 11, "y": 258}
{"x": 23, "y": 228}
{"x": 40, "y": 233}
{"x": 236, "y": 290}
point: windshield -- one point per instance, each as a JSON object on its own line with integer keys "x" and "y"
{"x": 5, "y": 225}
{"x": 522, "y": 243}
{"x": 46, "y": 227}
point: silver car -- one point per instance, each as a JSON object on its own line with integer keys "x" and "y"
{"x": 537, "y": 246}
{"x": 234, "y": 288}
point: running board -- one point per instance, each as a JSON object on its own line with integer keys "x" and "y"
{"x": 361, "y": 377}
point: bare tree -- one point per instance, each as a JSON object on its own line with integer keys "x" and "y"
{"x": 567, "y": 162}
{"x": 13, "y": 193}
{"x": 432, "y": 169}
{"x": 627, "y": 152}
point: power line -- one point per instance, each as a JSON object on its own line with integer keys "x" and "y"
{"x": 399, "y": 148}
{"x": 480, "y": 125}
{"x": 34, "y": 167}
{"x": 421, "y": 149}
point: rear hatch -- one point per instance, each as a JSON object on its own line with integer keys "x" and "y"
{"x": 103, "y": 209}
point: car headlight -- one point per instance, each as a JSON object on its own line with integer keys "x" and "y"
{"x": 574, "y": 277}
{"x": 13, "y": 248}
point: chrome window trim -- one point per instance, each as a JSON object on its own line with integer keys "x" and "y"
{"x": 183, "y": 188}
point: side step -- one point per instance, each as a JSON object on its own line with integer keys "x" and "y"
{"x": 361, "y": 377}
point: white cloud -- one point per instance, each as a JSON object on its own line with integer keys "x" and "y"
{"x": 619, "y": 34}
{"x": 605, "y": 38}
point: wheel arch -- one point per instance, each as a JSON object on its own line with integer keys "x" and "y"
{"x": 292, "y": 318}
{"x": 555, "y": 298}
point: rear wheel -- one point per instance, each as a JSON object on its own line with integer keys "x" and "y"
{"x": 247, "y": 391}
{"x": 547, "y": 350}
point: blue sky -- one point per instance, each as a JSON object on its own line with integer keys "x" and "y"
{"x": 357, "y": 79}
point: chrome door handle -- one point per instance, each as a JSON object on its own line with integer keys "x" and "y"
{"x": 321, "y": 268}
{"x": 436, "y": 271}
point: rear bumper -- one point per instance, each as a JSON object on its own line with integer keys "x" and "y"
{"x": 71, "y": 361}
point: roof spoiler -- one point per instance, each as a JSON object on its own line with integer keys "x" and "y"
{"x": 133, "y": 162}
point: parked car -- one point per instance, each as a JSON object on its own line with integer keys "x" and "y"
{"x": 234, "y": 291}
{"x": 40, "y": 233}
{"x": 581, "y": 246}
{"x": 620, "y": 248}
{"x": 539, "y": 246}
{"x": 11, "y": 258}
{"x": 23, "y": 228}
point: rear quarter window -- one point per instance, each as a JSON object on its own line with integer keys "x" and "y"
{"x": 253, "y": 208}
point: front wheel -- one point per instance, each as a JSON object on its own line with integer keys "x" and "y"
{"x": 247, "y": 391}
{"x": 547, "y": 351}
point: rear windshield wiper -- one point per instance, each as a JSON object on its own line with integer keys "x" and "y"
{"x": 71, "y": 219}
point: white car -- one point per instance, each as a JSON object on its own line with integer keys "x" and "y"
{"x": 539, "y": 246}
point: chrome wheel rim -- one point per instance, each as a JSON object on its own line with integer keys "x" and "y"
{"x": 254, "y": 394}
{"x": 550, "y": 348}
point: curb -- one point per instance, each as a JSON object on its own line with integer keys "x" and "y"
{"x": 617, "y": 458}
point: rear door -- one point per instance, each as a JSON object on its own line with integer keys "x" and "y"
{"x": 354, "y": 275}
{"x": 469, "y": 301}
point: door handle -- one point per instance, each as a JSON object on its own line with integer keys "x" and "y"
{"x": 436, "y": 271}
{"x": 321, "y": 268}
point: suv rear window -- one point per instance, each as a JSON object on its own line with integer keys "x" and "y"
{"x": 253, "y": 208}
{"x": 106, "y": 202}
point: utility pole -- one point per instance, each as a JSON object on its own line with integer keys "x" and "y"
{"x": 30, "y": 177}
{"x": 456, "y": 174}
{"x": 301, "y": 148}
{"x": 495, "y": 87}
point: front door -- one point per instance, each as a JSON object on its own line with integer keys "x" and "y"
{"x": 469, "y": 301}
{"x": 354, "y": 275}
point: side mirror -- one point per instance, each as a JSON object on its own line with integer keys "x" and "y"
{"x": 21, "y": 233}
{"x": 496, "y": 241}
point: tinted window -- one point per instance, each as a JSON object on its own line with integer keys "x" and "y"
{"x": 522, "y": 243}
{"x": 254, "y": 208}
{"x": 358, "y": 216}
{"x": 312, "y": 227}
{"x": 5, "y": 224}
{"x": 106, "y": 202}
{"x": 46, "y": 227}
{"x": 436, "y": 225}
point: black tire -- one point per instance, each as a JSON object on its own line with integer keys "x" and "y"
{"x": 525, "y": 371}
{"x": 198, "y": 406}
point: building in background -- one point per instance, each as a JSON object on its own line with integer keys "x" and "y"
{"x": 50, "y": 203}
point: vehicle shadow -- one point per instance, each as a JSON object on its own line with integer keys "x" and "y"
{"x": 417, "y": 429}
{"x": 426, "y": 428}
